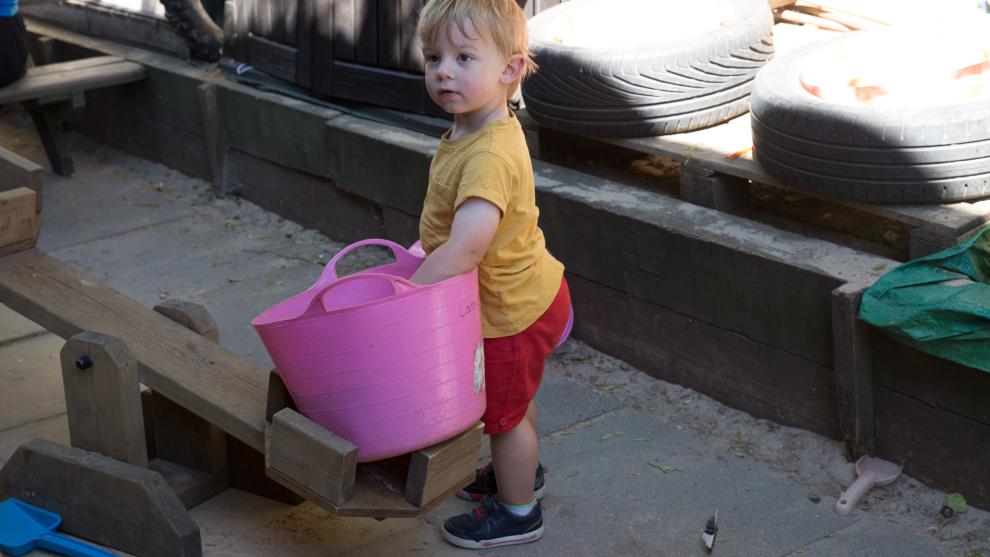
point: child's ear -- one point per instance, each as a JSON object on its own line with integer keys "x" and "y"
{"x": 513, "y": 69}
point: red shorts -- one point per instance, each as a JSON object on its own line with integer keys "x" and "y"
{"x": 514, "y": 365}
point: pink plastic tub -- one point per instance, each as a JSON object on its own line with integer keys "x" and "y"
{"x": 389, "y": 365}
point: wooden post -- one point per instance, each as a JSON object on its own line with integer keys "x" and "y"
{"x": 216, "y": 149}
{"x": 192, "y": 316}
{"x": 190, "y": 451}
{"x": 102, "y": 397}
{"x": 853, "y": 370}
{"x": 707, "y": 188}
{"x": 49, "y": 127}
{"x": 20, "y": 221}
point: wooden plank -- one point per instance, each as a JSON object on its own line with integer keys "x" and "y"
{"x": 20, "y": 221}
{"x": 103, "y": 397}
{"x": 111, "y": 23}
{"x": 390, "y": 34}
{"x": 938, "y": 447}
{"x": 433, "y": 470}
{"x": 741, "y": 372}
{"x": 934, "y": 381}
{"x": 311, "y": 456}
{"x": 344, "y": 30}
{"x": 273, "y": 58}
{"x": 775, "y": 298}
{"x": 61, "y": 82}
{"x": 366, "y": 32}
{"x": 709, "y": 148}
{"x": 73, "y": 65}
{"x": 199, "y": 375}
{"x": 216, "y": 148}
{"x": 389, "y": 88}
{"x": 102, "y": 500}
{"x": 289, "y": 21}
{"x": 278, "y": 396}
{"x": 184, "y": 438}
{"x": 19, "y": 172}
{"x": 235, "y": 29}
{"x": 853, "y": 370}
{"x": 305, "y": 33}
{"x": 263, "y": 20}
{"x": 321, "y": 47}
{"x": 411, "y": 53}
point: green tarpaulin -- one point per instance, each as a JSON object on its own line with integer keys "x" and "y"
{"x": 939, "y": 304}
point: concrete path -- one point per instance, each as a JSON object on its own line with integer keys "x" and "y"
{"x": 635, "y": 465}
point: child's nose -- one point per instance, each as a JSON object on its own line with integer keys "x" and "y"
{"x": 445, "y": 70}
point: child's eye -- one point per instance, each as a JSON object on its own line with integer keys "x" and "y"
{"x": 463, "y": 57}
{"x": 431, "y": 57}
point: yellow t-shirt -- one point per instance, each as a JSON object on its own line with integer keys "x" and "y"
{"x": 518, "y": 278}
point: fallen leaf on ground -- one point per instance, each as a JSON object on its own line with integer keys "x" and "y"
{"x": 956, "y": 502}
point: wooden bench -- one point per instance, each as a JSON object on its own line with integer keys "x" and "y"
{"x": 55, "y": 93}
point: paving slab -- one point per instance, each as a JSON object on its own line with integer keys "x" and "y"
{"x": 102, "y": 203}
{"x": 182, "y": 258}
{"x": 873, "y": 537}
{"x": 13, "y": 326}
{"x": 54, "y": 428}
{"x": 31, "y": 376}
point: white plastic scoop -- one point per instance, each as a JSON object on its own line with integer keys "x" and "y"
{"x": 871, "y": 472}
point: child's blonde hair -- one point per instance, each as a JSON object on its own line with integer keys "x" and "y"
{"x": 503, "y": 20}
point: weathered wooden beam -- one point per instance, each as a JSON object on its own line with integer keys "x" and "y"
{"x": 705, "y": 187}
{"x": 301, "y": 453}
{"x": 853, "y": 370}
{"x": 435, "y": 470}
{"x": 20, "y": 221}
{"x": 65, "y": 79}
{"x": 19, "y": 172}
{"x": 103, "y": 397}
{"x": 126, "y": 507}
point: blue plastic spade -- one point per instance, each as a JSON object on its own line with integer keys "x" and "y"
{"x": 24, "y": 527}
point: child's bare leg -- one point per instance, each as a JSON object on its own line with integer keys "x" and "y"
{"x": 515, "y": 454}
{"x": 531, "y": 414}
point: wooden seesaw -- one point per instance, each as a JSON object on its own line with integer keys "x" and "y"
{"x": 161, "y": 417}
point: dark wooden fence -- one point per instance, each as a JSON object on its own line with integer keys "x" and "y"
{"x": 361, "y": 50}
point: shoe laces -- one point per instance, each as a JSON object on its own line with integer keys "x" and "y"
{"x": 488, "y": 505}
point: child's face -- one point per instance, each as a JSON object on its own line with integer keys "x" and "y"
{"x": 465, "y": 73}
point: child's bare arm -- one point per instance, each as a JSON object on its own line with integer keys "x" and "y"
{"x": 471, "y": 233}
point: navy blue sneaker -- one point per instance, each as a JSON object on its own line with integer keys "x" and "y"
{"x": 493, "y": 525}
{"x": 484, "y": 484}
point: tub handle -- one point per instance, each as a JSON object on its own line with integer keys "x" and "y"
{"x": 399, "y": 285}
{"x": 329, "y": 273}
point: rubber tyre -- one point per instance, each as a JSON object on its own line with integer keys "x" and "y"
{"x": 193, "y": 24}
{"x": 662, "y": 88}
{"x": 935, "y": 154}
